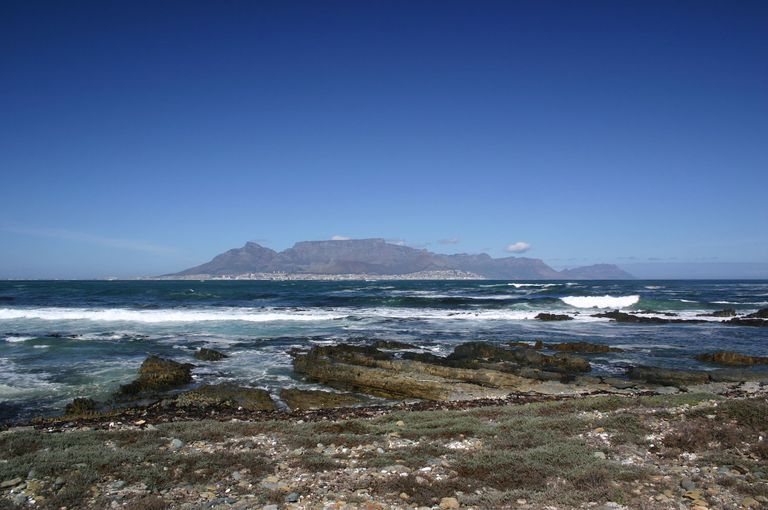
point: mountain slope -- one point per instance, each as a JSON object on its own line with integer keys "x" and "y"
{"x": 376, "y": 256}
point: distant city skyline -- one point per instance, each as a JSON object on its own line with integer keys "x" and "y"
{"x": 143, "y": 138}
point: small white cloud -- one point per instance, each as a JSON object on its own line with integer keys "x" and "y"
{"x": 451, "y": 240}
{"x": 340, "y": 238}
{"x": 518, "y": 247}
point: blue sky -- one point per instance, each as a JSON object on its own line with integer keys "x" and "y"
{"x": 146, "y": 137}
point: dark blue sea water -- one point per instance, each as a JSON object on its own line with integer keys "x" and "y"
{"x": 60, "y": 340}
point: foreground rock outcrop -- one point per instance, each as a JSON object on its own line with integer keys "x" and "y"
{"x": 298, "y": 399}
{"x": 158, "y": 374}
{"x": 226, "y": 395}
{"x": 732, "y": 358}
{"x": 473, "y": 370}
{"x": 205, "y": 354}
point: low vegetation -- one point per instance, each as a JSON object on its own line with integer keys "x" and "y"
{"x": 642, "y": 452}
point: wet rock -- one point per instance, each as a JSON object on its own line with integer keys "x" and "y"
{"x": 474, "y": 351}
{"x": 205, "y": 354}
{"x": 760, "y": 323}
{"x": 553, "y": 317}
{"x": 474, "y": 370}
{"x": 582, "y": 347}
{"x": 158, "y": 374}
{"x": 635, "y": 319}
{"x": 728, "y": 312}
{"x": 314, "y": 399}
{"x": 738, "y": 375}
{"x": 80, "y": 406}
{"x": 393, "y": 379}
{"x": 226, "y": 395}
{"x": 393, "y": 345}
{"x": 732, "y": 358}
{"x": 667, "y": 377}
{"x": 760, "y": 314}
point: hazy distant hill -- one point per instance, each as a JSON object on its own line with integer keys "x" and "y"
{"x": 376, "y": 256}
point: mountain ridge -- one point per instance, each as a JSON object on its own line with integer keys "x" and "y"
{"x": 378, "y": 257}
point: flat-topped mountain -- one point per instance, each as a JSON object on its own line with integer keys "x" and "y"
{"x": 378, "y": 257}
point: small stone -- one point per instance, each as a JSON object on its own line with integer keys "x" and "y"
{"x": 692, "y": 495}
{"x": 269, "y": 507}
{"x": 404, "y": 496}
{"x": 687, "y": 484}
{"x": 237, "y": 476}
{"x": 293, "y": 497}
{"x": 400, "y": 423}
{"x": 700, "y": 503}
{"x": 176, "y": 444}
{"x": 599, "y": 455}
{"x": 749, "y": 502}
{"x": 449, "y": 503}
{"x": 20, "y": 499}
{"x": 522, "y": 502}
{"x": 13, "y": 482}
{"x": 599, "y": 430}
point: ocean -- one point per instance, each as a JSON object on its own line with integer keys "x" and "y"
{"x": 65, "y": 339}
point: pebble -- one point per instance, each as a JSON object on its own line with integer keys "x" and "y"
{"x": 687, "y": 484}
{"x": 750, "y": 503}
{"x": 13, "y": 482}
{"x": 599, "y": 455}
{"x": 400, "y": 423}
{"x": 449, "y": 503}
{"x": 293, "y": 497}
{"x": 692, "y": 495}
{"x": 269, "y": 507}
{"x": 176, "y": 444}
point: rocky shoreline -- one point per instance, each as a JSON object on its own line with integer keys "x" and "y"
{"x": 400, "y": 428}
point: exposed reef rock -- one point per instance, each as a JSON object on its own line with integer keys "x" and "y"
{"x": 584, "y": 347}
{"x": 392, "y": 344}
{"x": 634, "y": 319}
{"x": 473, "y": 370}
{"x": 226, "y": 395}
{"x": 297, "y": 399}
{"x": 760, "y": 314}
{"x": 553, "y": 317}
{"x": 667, "y": 377}
{"x": 732, "y": 358}
{"x": 205, "y": 354}
{"x": 80, "y": 406}
{"x": 760, "y": 323}
{"x": 728, "y": 312}
{"x": 473, "y": 351}
{"x": 158, "y": 374}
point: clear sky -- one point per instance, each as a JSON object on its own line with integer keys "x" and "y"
{"x": 146, "y": 137}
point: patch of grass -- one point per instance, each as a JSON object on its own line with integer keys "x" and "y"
{"x": 697, "y": 434}
{"x": 627, "y": 427}
{"x": 315, "y": 462}
{"x": 752, "y": 413}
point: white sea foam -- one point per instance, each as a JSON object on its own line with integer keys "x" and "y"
{"x": 169, "y": 315}
{"x": 17, "y": 339}
{"x": 524, "y": 285}
{"x": 600, "y": 301}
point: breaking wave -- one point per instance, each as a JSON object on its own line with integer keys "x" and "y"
{"x": 156, "y": 316}
{"x": 600, "y": 301}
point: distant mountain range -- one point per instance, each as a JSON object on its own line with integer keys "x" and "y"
{"x": 378, "y": 257}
